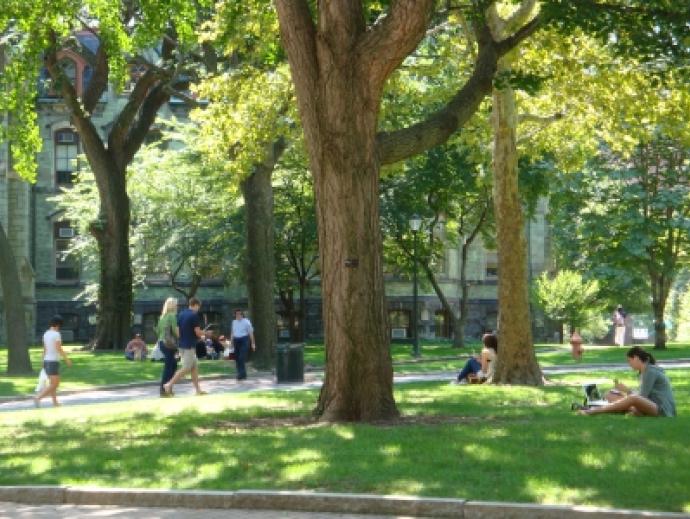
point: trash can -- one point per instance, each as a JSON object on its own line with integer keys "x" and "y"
{"x": 290, "y": 362}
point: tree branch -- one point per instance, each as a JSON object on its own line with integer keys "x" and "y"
{"x": 99, "y": 80}
{"x": 439, "y": 126}
{"x": 81, "y": 120}
{"x": 298, "y": 33}
{"x": 118, "y": 134}
{"x": 394, "y": 37}
{"x": 147, "y": 116}
{"x": 507, "y": 44}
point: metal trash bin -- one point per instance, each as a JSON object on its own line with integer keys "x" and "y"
{"x": 290, "y": 362}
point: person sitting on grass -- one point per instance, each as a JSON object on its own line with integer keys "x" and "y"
{"x": 136, "y": 348}
{"x": 654, "y": 398}
{"x": 482, "y": 366}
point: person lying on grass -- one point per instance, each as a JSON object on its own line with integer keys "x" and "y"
{"x": 654, "y": 398}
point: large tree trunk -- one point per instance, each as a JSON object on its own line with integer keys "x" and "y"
{"x": 358, "y": 381}
{"x": 517, "y": 363}
{"x": 339, "y": 69}
{"x": 112, "y": 236}
{"x": 18, "y": 361}
{"x": 260, "y": 268}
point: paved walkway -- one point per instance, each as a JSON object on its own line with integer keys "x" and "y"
{"x": 264, "y": 381}
{"x": 21, "y": 511}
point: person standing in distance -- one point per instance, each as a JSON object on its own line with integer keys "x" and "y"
{"x": 619, "y": 326}
{"x": 242, "y": 334}
{"x": 189, "y": 325}
{"x": 52, "y": 351}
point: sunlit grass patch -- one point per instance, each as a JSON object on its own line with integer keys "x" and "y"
{"x": 505, "y": 443}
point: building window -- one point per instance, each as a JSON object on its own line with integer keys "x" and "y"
{"x": 491, "y": 265}
{"x": 66, "y": 267}
{"x": 69, "y": 69}
{"x": 442, "y": 324}
{"x": 70, "y": 327}
{"x": 400, "y": 324}
{"x": 66, "y": 152}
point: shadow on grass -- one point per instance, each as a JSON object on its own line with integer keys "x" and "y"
{"x": 482, "y": 443}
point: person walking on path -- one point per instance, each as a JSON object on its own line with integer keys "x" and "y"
{"x": 241, "y": 335}
{"x": 52, "y": 351}
{"x": 167, "y": 327}
{"x": 654, "y": 398}
{"x": 619, "y": 326}
{"x": 189, "y": 325}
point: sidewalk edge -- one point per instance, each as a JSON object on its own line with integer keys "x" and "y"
{"x": 313, "y": 502}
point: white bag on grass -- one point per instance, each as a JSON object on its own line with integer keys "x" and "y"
{"x": 42, "y": 381}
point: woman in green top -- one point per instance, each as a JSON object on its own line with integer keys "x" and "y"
{"x": 167, "y": 320}
{"x": 655, "y": 397}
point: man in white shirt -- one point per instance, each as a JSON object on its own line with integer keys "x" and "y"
{"x": 242, "y": 336}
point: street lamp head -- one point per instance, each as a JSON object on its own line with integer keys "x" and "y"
{"x": 415, "y": 223}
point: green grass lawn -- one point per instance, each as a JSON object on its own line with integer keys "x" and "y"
{"x": 96, "y": 369}
{"x": 476, "y": 442}
{"x": 107, "y": 368}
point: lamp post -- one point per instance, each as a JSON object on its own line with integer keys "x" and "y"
{"x": 415, "y": 224}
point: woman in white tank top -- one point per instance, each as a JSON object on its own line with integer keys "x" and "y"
{"x": 52, "y": 351}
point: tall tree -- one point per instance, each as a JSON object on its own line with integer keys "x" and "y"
{"x": 445, "y": 187}
{"x": 635, "y": 219}
{"x": 114, "y": 35}
{"x": 248, "y": 124}
{"x": 340, "y": 64}
{"x": 180, "y": 224}
{"x": 518, "y": 362}
{"x": 18, "y": 361}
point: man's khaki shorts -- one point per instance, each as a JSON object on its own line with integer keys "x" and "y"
{"x": 188, "y": 358}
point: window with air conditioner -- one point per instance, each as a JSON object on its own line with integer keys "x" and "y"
{"x": 398, "y": 333}
{"x": 400, "y": 324}
{"x": 66, "y": 266}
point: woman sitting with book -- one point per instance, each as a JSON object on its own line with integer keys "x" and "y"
{"x": 654, "y": 398}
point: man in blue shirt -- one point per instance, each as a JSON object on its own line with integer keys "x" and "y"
{"x": 189, "y": 325}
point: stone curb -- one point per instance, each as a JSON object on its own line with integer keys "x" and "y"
{"x": 312, "y": 502}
